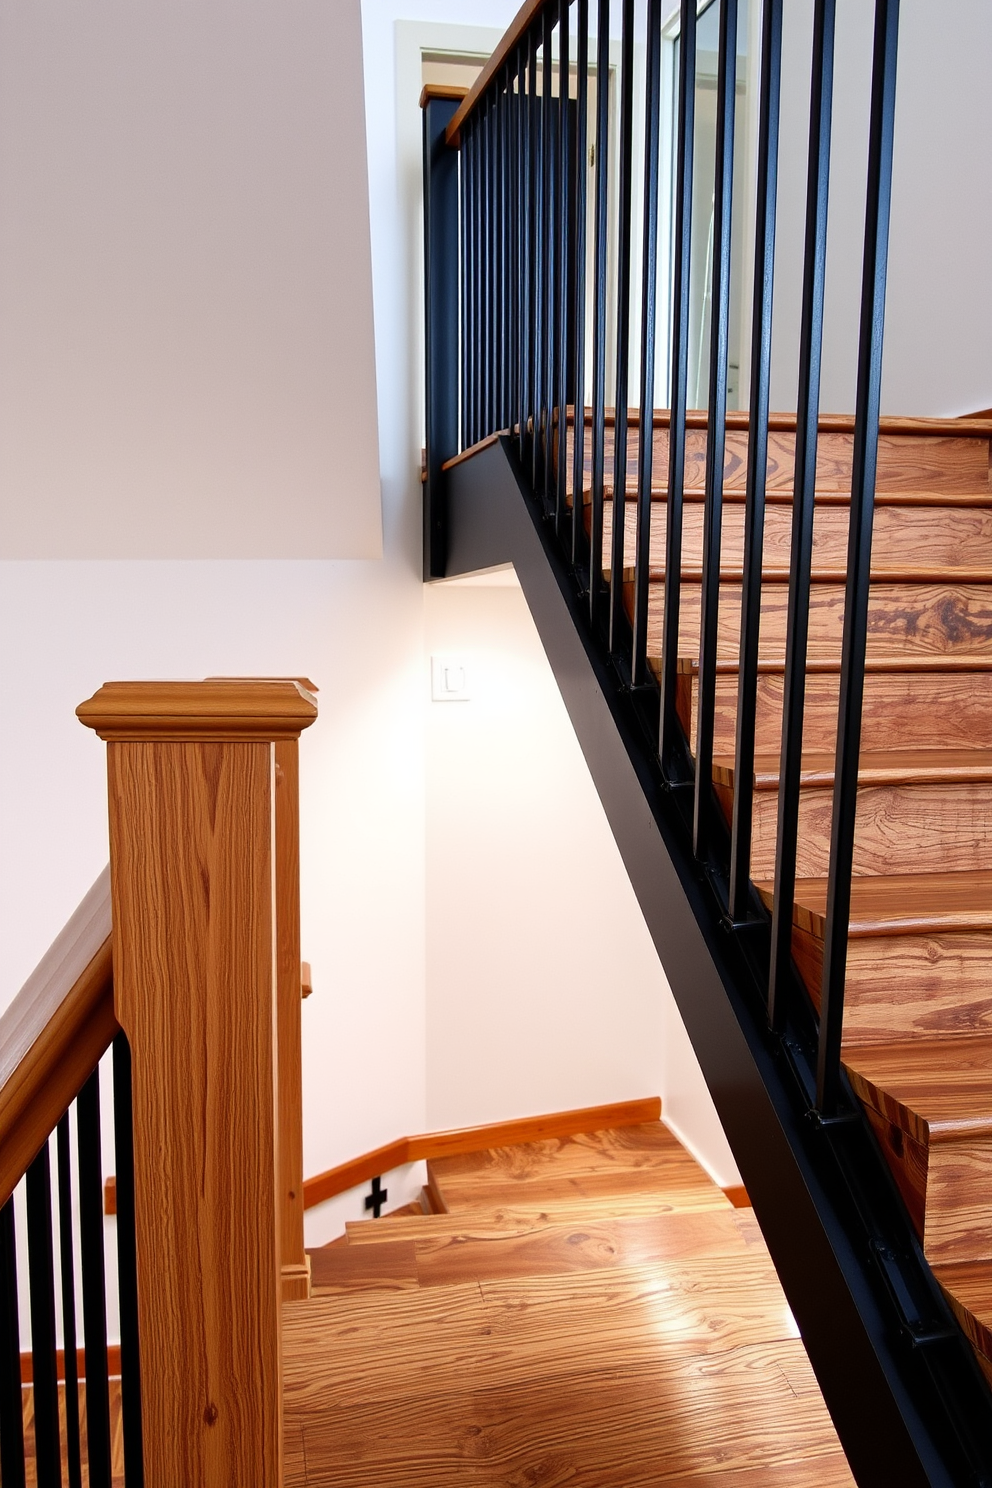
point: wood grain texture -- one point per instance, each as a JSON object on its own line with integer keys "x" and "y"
{"x": 54, "y": 1033}
{"x": 235, "y": 708}
{"x": 473, "y": 1139}
{"x": 289, "y": 1032}
{"x": 193, "y": 891}
{"x": 618, "y": 1351}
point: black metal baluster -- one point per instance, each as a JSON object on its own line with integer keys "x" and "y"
{"x": 94, "y": 1282}
{"x": 502, "y": 114}
{"x": 620, "y": 416}
{"x": 67, "y": 1271}
{"x": 485, "y": 275}
{"x": 550, "y": 246}
{"x": 537, "y": 276}
{"x": 564, "y": 260}
{"x": 492, "y": 217}
{"x": 854, "y": 644}
{"x": 477, "y": 288}
{"x": 757, "y": 454}
{"x": 470, "y": 395}
{"x": 716, "y": 425}
{"x": 804, "y": 489}
{"x": 670, "y": 743}
{"x": 44, "y": 1362}
{"x": 579, "y": 332}
{"x": 649, "y": 302}
{"x": 11, "y": 1395}
{"x": 465, "y": 338}
{"x": 127, "y": 1266}
{"x": 524, "y": 179}
{"x": 599, "y": 315}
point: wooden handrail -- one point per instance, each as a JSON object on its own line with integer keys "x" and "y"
{"x": 528, "y": 12}
{"x": 54, "y": 1033}
{"x": 474, "y": 1139}
{"x": 194, "y": 806}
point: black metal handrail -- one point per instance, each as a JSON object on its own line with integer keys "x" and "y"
{"x": 63, "y": 1456}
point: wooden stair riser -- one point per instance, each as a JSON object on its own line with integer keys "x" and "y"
{"x": 906, "y": 987}
{"x": 945, "y": 1186}
{"x": 937, "y": 464}
{"x": 923, "y": 710}
{"x": 904, "y": 539}
{"x": 918, "y": 620}
{"x": 900, "y": 828}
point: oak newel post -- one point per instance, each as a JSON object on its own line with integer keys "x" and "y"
{"x": 191, "y": 773}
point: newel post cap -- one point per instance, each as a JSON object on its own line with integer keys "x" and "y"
{"x": 223, "y": 708}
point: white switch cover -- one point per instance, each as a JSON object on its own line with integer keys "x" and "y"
{"x": 449, "y": 680}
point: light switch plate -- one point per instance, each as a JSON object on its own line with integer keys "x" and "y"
{"x": 449, "y": 680}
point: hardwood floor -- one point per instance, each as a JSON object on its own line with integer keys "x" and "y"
{"x": 918, "y": 1003}
{"x": 589, "y": 1310}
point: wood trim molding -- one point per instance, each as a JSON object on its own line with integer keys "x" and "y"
{"x": 232, "y": 709}
{"x": 373, "y": 1164}
{"x": 737, "y": 1194}
{"x": 527, "y": 13}
{"x": 54, "y": 1033}
{"x": 982, "y": 413}
{"x": 431, "y": 91}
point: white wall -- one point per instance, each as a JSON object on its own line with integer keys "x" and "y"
{"x": 186, "y": 362}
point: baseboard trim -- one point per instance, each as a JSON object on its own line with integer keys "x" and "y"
{"x": 373, "y": 1164}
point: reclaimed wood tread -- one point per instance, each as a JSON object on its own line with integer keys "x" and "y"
{"x": 941, "y": 575}
{"x": 888, "y": 767}
{"x": 933, "y": 1089}
{"x": 968, "y": 1287}
{"x": 900, "y": 904}
{"x": 830, "y": 666}
{"x": 737, "y": 495}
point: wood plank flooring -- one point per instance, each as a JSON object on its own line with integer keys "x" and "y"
{"x": 589, "y": 1310}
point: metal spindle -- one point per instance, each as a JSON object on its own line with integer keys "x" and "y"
{"x": 465, "y": 338}
{"x": 855, "y": 639}
{"x": 670, "y": 743}
{"x": 537, "y": 274}
{"x": 492, "y": 216}
{"x": 477, "y": 288}
{"x": 649, "y": 299}
{"x": 579, "y": 332}
{"x": 599, "y": 315}
{"x": 524, "y": 232}
{"x": 94, "y": 1282}
{"x": 620, "y": 417}
{"x": 485, "y": 274}
{"x": 11, "y": 1395}
{"x": 127, "y": 1266}
{"x": 804, "y": 489}
{"x": 550, "y": 247}
{"x": 67, "y": 1271}
{"x": 716, "y": 426}
{"x": 471, "y": 390}
{"x": 757, "y": 453}
{"x": 564, "y": 260}
{"x": 502, "y": 111}
{"x": 44, "y": 1363}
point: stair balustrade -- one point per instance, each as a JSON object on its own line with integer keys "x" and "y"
{"x": 184, "y": 958}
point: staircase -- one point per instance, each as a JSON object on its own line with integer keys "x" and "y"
{"x": 773, "y": 634}
{"x": 589, "y": 1309}
{"x": 917, "y": 1032}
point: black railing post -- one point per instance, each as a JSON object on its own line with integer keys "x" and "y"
{"x": 67, "y": 1269}
{"x": 127, "y": 1266}
{"x": 441, "y": 323}
{"x": 91, "y": 1249}
{"x": 670, "y": 742}
{"x": 44, "y": 1367}
{"x": 716, "y": 424}
{"x": 620, "y": 417}
{"x": 599, "y": 314}
{"x": 804, "y": 490}
{"x": 855, "y": 638}
{"x": 11, "y": 1396}
{"x": 563, "y": 258}
{"x": 757, "y": 454}
{"x": 649, "y": 300}
{"x": 579, "y": 362}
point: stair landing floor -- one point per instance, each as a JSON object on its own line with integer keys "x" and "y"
{"x": 585, "y": 1311}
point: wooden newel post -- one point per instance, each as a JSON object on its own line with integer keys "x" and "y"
{"x": 192, "y": 788}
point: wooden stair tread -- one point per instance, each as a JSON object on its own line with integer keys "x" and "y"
{"x": 933, "y": 1089}
{"x": 738, "y": 420}
{"x": 903, "y": 903}
{"x": 968, "y": 1287}
{"x": 830, "y": 666}
{"x": 888, "y": 767}
{"x": 736, "y": 496}
{"x": 941, "y": 574}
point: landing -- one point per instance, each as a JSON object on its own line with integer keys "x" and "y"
{"x": 590, "y": 1310}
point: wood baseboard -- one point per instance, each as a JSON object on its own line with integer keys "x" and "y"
{"x": 296, "y": 1281}
{"x": 370, "y": 1165}
{"x": 737, "y": 1194}
{"x": 113, "y": 1364}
